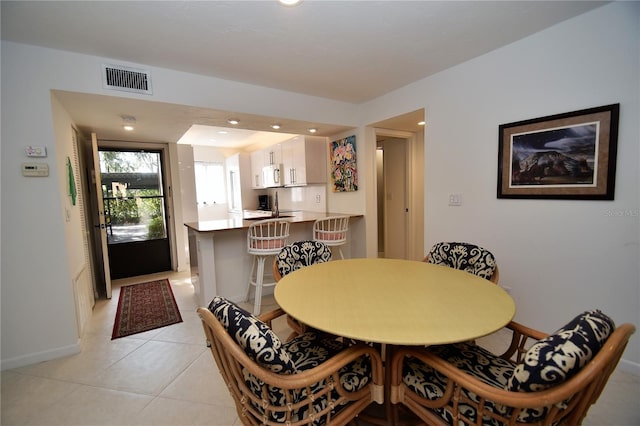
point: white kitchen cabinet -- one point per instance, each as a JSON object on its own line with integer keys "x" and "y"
{"x": 269, "y": 156}
{"x": 257, "y": 163}
{"x": 273, "y": 155}
{"x": 305, "y": 160}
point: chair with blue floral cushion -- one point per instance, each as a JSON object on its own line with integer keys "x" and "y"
{"x": 541, "y": 379}
{"x": 312, "y": 379}
{"x": 293, "y": 257}
{"x": 298, "y": 255}
{"x": 464, "y": 256}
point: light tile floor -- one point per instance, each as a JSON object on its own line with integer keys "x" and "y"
{"x": 168, "y": 377}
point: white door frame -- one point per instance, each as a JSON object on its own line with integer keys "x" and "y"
{"x": 410, "y": 141}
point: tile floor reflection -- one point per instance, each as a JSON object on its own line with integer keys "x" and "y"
{"x": 167, "y": 376}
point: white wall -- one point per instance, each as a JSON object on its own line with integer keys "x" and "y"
{"x": 559, "y": 257}
{"x": 38, "y": 319}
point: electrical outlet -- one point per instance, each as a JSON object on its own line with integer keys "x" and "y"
{"x": 318, "y": 198}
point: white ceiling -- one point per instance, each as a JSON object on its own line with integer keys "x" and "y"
{"x": 352, "y": 51}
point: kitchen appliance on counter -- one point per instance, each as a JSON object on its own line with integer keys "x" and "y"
{"x": 264, "y": 202}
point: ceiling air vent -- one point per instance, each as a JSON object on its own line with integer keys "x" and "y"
{"x": 118, "y": 77}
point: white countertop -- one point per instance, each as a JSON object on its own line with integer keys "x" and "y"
{"x": 236, "y": 220}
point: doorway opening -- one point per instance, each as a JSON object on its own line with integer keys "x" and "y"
{"x": 132, "y": 189}
{"x": 392, "y": 177}
{"x": 397, "y": 145}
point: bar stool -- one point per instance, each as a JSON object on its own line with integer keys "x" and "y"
{"x": 332, "y": 231}
{"x": 265, "y": 238}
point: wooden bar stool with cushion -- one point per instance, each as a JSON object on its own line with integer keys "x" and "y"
{"x": 332, "y": 231}
{"x": 265, "y": 238}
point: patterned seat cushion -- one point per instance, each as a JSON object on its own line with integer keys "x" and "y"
{"x": 301, "y": 353}
{"x": 547, "y": 363}
{"x": 463, "y": 256}
{"x": 307, "y": 351}
{"x": 469, "y": 357}
{"x": 562, "y": 354}
{"x": 254, "y": 336}
{"x": 300, "y": 254}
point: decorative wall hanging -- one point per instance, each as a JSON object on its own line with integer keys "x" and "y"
{"x": 71, "y": 181}
{"x": 344, "y": 171}
{"x": 563, "y": 156}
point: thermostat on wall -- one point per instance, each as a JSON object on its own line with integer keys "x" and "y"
{"x": 35, "y": 169}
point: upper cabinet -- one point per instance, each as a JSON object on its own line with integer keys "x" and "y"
{"x": 273, "y": 155}
{"x": 267, "y": 157}
{"x": 305, "y": 160}
{"x": 257, "y": 163}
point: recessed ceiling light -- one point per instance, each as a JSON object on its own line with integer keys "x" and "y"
{"x": 128, "y": 123}
{"x": 232, "y": 121}
{"x": 313, "y": 130}
{"x": 420, "y": 123}
{"x": 275, "y": 126}
{"x": 222, "y": 132}
{"x": 290, "y": 2}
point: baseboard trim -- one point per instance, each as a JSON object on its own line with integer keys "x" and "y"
{"x": 629, "y": 367}
{"x": 33, "y": 358}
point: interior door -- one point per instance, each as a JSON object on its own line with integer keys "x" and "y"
{"x": 394, "y": 198}
{"x": 101, "y": 228}
{"x": 135, "y": 210}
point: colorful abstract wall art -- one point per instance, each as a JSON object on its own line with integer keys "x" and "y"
{"x": 344, "y": 170}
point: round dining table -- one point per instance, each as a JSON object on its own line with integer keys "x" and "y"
{"x": 395, "y": 302}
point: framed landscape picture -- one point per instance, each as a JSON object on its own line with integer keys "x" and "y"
{"x": 563, "y": 156}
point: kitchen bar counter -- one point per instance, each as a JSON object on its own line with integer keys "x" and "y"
{"x": 240, "y": 221}
{"x": 220, "y": 264}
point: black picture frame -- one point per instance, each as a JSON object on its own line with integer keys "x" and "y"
{"x": 568, "y": 156}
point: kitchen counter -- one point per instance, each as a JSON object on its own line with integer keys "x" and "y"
{"x": 220, "y": 264}
{"x": 243, "y": 221}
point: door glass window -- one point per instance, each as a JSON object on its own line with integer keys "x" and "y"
{"x": 133, "y": 195}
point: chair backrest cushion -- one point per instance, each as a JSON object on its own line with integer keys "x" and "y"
{"x": 466, "y": 257}
{"x": 257, "y": 340}
{"x": 300, "y": 254}
{"x": 562, "y": 354}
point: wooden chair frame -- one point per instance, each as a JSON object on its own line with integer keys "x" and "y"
{"x": 233, "y": 364}
{"x": 577, "y": 394}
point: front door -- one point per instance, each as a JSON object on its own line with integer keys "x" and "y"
{"x": 133, "y": 195}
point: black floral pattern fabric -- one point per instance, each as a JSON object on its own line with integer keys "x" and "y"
{"x": 301, "y": 353}
{"x": 562, "y": 354}
{"x": 300, "y": 254}
{"x": 547, "y": 363}
{"x": 469, "y": 357}
{"x": 257, "y": 340}
{"x": 466, "y": 257}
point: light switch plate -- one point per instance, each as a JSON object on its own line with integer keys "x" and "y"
{"x": 35, "y": 151}
{"x": 455, "y": 199}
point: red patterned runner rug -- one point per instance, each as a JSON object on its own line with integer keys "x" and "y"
{"x": 144, "y": 307}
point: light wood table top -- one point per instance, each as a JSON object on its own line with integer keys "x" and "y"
{"x": 399, "y": 302}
